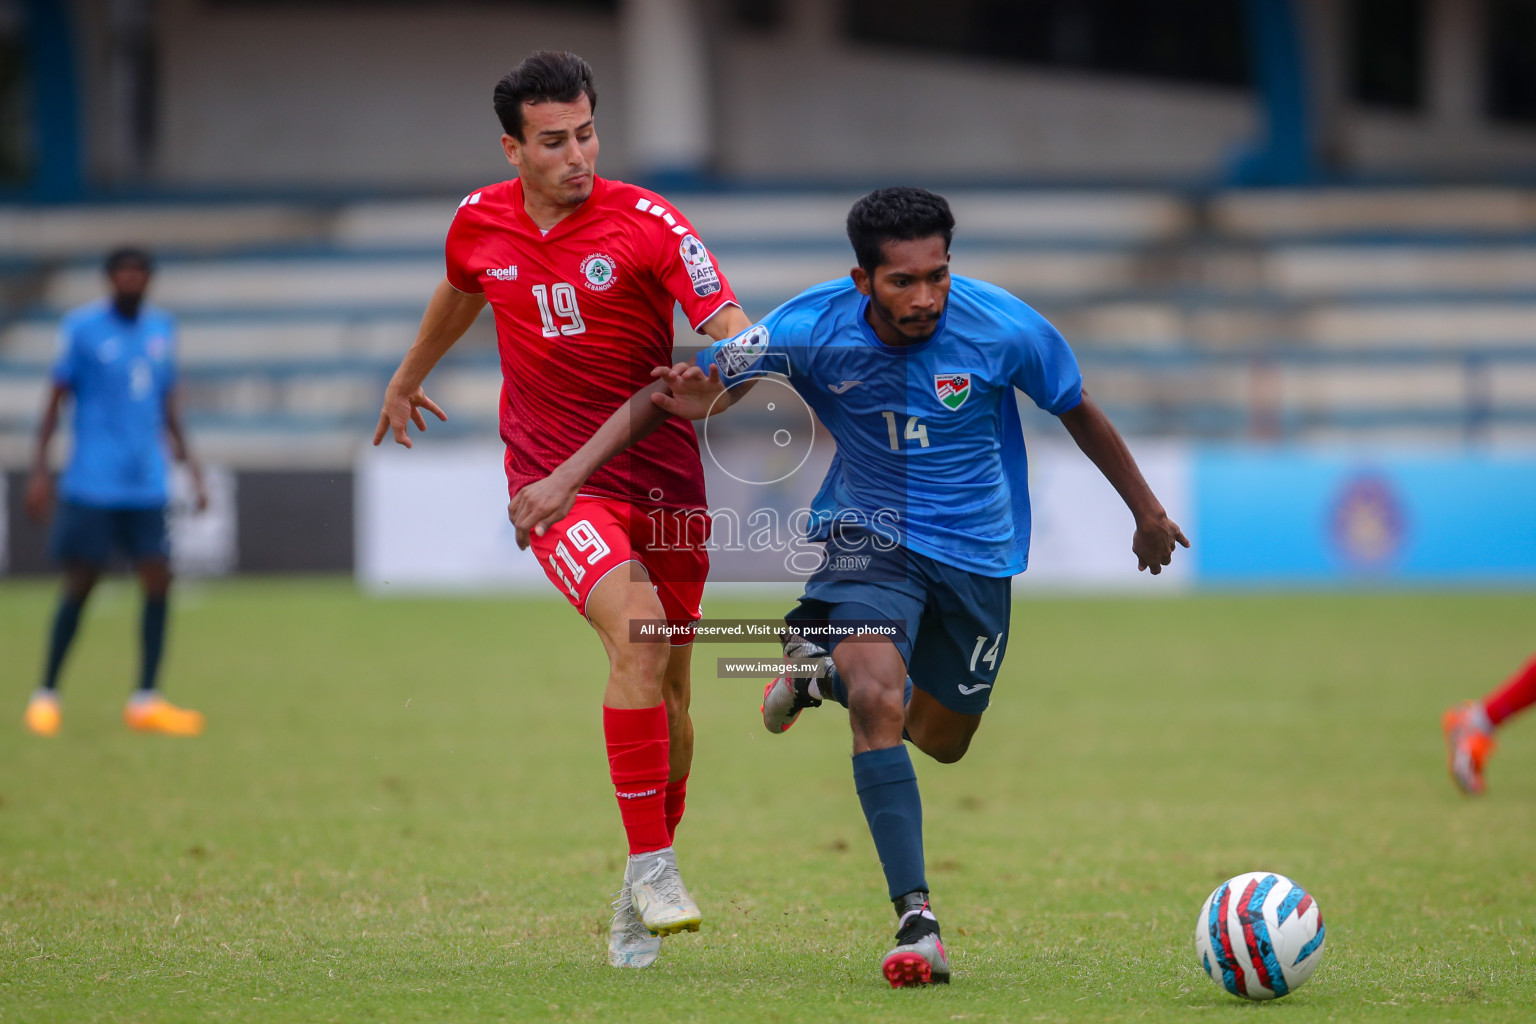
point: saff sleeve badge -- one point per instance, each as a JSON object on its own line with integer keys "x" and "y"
{"x": 701, "y": 268}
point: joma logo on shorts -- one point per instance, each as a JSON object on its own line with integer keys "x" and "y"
{"x": 849, "y": 563}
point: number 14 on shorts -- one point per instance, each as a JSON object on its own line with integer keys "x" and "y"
{"x": 989, "y": 658}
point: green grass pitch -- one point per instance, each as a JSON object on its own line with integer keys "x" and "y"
{"x": 401, "y": 812}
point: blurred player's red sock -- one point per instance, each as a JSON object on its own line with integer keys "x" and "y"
{"x": 1517, "y": 693}
{"x": 677, "y": 798}
{"x": 637, "y": 763}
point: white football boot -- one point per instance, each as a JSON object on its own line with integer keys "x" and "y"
{"x": 660, "y": 898}
{"x": 630, "y": 943}
{"x": 918, "y": 958}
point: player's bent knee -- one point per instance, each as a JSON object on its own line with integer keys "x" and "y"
{"x": 875, "y": 710}
{"x": 946, "y": 751}
{"x": 646, "y": 661}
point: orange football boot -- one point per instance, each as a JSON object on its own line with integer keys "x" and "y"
{"x": 1469, "y": 742}
{"x": 156, "y": 714}
{"x": 43, "y": 716}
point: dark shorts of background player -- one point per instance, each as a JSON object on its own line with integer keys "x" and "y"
{"x": 90, "y": 535}
{"x": 951, "y": 625}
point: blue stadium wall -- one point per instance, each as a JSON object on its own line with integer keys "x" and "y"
{"x": 1368, "y": 518}
{"x": 1259, "y": 517}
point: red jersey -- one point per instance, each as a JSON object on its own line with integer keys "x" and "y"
{"x": 583, "y": 313}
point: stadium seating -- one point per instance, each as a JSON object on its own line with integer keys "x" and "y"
{"x": 1287, "y": 314}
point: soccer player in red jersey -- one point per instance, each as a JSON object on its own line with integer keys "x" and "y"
{"x": 1469, "y": 727}
{"x": 582, "y": 274}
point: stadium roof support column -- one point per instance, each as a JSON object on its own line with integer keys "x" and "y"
{"x": 1286, "y": 155}
{"x": 1455, "y": 31}
{"x": 1322, "y": 26}
{"x": 667, "y": 98}
{"x": 56, "y": 151}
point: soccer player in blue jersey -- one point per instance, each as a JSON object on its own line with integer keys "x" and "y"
{"x": 924, "y": 510}
{"x": 117, "y": 361}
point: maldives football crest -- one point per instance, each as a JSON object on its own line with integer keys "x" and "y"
{"x": 952, "y": 388}
{"x": 599, "y": 271}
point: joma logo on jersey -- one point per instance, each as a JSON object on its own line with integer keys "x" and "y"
{"x": 503, "y": 273}
{"x": 952, "y": 388}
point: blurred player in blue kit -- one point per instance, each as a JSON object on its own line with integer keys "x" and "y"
{"x": 924, "y": 510}
{"x": 117, "y": 361}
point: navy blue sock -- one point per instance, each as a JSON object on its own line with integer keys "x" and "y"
{"x": 832, "y": 686}
{"x": 65, "y": 621}
{"x": 152, "y": 636}
{"x": 893, "y": 807}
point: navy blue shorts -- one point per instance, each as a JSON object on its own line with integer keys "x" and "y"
{"x": 91, "y": 535}
{"x": 950, "y": 625}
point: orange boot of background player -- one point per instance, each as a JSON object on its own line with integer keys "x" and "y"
{"x": 43, "y": 715}
{"x": 153, "y": 713}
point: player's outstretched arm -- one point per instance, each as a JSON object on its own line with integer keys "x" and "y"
{"x": 181, "y": 451}
{"x": 680, "y": 390}
{"x": 40, "y": 483}
{"x": 693, "y": 394}
{"x": 539, "y": 505}
{"x": 1156, "y": 534}
{"x": 449, "y": 314}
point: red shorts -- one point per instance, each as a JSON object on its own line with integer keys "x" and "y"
{"x": 599, "y": 535}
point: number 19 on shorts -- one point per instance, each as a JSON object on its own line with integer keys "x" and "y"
{"x": 584, "y": 537}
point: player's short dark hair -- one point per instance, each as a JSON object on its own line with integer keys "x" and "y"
{"x": 544, "y": 76}
{"x": 901, "y": 213}
{"x": 125, "y": 254}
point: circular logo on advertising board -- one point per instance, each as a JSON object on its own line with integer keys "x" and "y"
{"x": 1369, "y": 525}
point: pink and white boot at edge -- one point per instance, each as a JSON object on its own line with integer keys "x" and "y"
{"x": 917, "y": 963}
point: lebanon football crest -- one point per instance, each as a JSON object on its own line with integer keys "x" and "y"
{"x": 952, "y": 388}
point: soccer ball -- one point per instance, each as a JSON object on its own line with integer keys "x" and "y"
{"x": 1259, "y": 935}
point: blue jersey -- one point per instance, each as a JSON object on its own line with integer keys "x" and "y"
{"x": 929, "y": 445}
{"x": 119, "y": 373}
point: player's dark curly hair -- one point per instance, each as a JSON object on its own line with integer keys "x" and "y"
{"x": 126, "y": 254}
{"x": 544, "y": 76}
{"x": 902, "y": 213}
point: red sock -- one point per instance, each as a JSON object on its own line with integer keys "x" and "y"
{"x": 1518, "y": 692}
{"x": 677, "y": 799}
{"x": 637, "y": 763}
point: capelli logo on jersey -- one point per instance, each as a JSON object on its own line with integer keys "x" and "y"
{"x": 503, "y": 273}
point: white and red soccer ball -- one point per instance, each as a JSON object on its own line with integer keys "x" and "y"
{"x": 1260, "y": 935}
